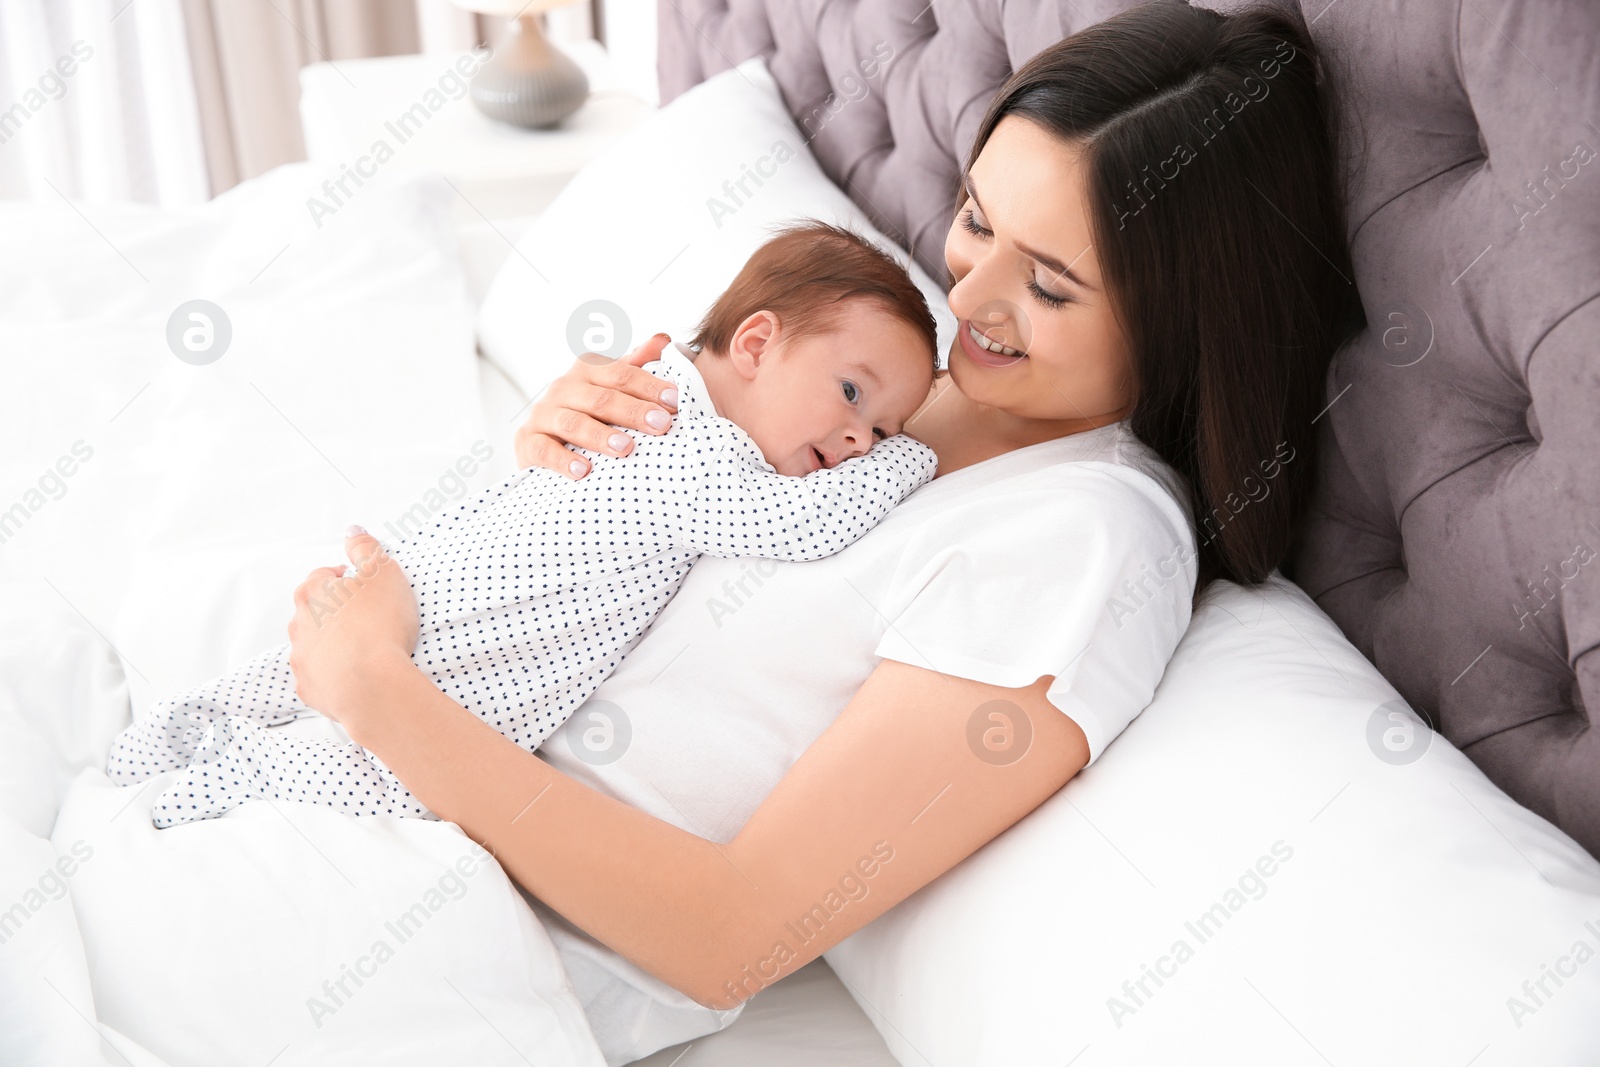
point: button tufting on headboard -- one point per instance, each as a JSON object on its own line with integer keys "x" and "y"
{"x": 1456, "y": 535}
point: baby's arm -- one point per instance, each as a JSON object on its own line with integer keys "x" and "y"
{"x": 739, "y": 506}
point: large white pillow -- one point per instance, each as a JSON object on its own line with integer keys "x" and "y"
{"x": 197, "y": 496}
{"x": 291, "y": 933}
{"x": 1295, "y": 869}
{"x": 63, "y": 699}
{"x": 658, "y": 225}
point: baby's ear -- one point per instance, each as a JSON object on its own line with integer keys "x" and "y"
{"x": 753, "y": 340}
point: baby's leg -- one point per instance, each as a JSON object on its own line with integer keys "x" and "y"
{"x": 239, "y": 760}
{"x": 164, "y": 739}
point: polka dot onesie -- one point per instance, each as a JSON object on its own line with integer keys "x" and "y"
{"x": 529, "y": 596}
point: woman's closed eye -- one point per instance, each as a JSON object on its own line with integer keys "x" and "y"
{"x": 970, "y": 223}
{"x": 1045, "y": 297}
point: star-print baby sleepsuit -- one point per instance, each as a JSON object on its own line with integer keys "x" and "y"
{"x": 529, "y": 596}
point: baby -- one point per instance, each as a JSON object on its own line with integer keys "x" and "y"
{"x": 787, "y": 444}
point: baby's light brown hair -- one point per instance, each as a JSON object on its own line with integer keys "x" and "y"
{"x": 805, "y": 275}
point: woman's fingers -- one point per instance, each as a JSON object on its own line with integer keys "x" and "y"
{"x": 618, "y": 392}
{"x": 316, "y": 582}
{"x": 365, "y": 551}
{"x": 649, "y": 351}
{"x": 326, "y": 586}
{"x": 585, "y": 406}
{"x": 541, "y": 450}
{"x": 345, "y": 620}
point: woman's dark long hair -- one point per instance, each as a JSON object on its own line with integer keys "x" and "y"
{"x": 1212, "y": 178}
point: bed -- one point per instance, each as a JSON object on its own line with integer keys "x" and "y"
{"x": 1383, "y": 904}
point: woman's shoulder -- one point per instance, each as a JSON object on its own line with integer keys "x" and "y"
{"x": 1054, "y": 526}
{"x": 1118, "y": 494}
{"x": 1136, "y": 456}
{"x": 1106, "y": 472}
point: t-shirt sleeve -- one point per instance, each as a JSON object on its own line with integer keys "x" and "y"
{"x": 1087, "y": 576}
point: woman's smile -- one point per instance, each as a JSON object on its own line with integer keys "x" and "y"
{"x": 984, "y": 351}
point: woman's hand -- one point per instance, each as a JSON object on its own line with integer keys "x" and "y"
{"x": 583, "y": 405}
{"x": 348, "y": 631}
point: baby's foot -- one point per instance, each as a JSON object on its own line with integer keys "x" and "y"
{"x": 215, "y": 781}
{"x": 162, "y": 741}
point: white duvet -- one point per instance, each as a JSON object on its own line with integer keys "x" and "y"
{"x": 154, "y": 517}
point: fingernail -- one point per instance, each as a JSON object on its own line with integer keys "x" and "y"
{"x": 353, "y": 531}
{"x": 670, "y": 397}
{"x": 618, "y": 442}
{"x": 662, "y": 337}
{"x": 657, "y": 418}
{"x": 576, "y": 467}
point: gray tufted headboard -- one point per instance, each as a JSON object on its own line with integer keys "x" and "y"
{"x": 1457, "y": 525}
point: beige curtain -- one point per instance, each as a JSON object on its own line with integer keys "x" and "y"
{"x": 247, "y": 59}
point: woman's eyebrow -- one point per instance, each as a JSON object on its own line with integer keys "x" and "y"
{"x": 1050, "y": 263}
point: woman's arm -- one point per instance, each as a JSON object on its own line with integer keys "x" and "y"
{"x": 917, "y": 772}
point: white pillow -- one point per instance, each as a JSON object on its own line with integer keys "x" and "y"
{"x": 292, "y": 930}
{"x": 42, "y": 972}
{"x": 1363, "y": 909}
{"x": 348, "y": 393}
{"x": 657, "y": 226}
{"x": 63, "y": 699}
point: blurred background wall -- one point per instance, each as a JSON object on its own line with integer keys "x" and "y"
{"x": 175, "y": 101}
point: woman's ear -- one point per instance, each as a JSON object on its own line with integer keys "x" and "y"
{"x": 754, "y": 340}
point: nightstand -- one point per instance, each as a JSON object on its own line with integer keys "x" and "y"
{"x": 412, "y": 112}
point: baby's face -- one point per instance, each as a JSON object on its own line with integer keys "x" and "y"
{"x": 831, "y": 396}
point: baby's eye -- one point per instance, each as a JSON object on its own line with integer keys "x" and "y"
{"x": 851, "y": 393}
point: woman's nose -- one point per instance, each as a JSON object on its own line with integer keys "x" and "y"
{"x": 982, "y": 300}
{"x": 978, "y": 288}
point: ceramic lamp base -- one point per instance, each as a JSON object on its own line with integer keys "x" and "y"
{"x": 529, "y": 82}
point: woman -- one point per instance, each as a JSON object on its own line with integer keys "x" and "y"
{"x": 1150, "y": 234}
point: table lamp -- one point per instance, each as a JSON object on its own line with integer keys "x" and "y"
{"x": 528, "y": 81}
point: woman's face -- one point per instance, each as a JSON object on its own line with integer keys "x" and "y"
{"x": 1027, "y": 277}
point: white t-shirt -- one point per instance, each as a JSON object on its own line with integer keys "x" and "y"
{"x": 1073, "y": 557}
